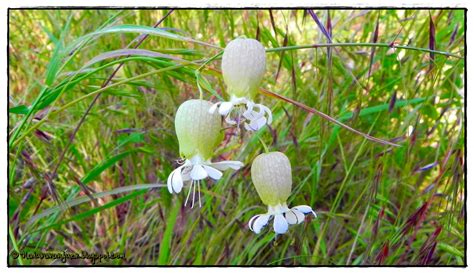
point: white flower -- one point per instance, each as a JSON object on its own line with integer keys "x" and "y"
{"x": 199, "y": 133}
{"x": 255, "y": 116}
{"x": 282, "y": 217}
{"x": 271, "y": 176}
{"x": 195, "y": 170}
{"x": 243, "y": 68}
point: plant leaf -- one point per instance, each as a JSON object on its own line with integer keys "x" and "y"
{"x": 21, "y": 109}
{"x": 85, "y": 198}
{"x": 97, "y": 170}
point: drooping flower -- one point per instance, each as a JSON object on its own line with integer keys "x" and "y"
{"x": 199, "y": 134}
{"x": 243, "y": 67}
{"x": 271, "y": 175}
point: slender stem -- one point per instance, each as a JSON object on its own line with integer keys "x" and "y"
{"x": 359, "y": 231}
{"x": 382, "y": 45}
{"x": 197, "y": 73}
{"x": 325, "y": 116}
{"x": 210, "y": 60}
{"x": 26, "y": 118}
{"x": 263, "y": 144}
{"x": 15, "y": 245}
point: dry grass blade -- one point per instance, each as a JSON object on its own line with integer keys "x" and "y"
{"x": 432, "y": 42}
{"x": 285, "y": 43}
{"x": 257, "y": 35}
{"x": 272, "y": 20}
{"x": 453, "y": 36}
{"x": 320, "y": 25}
{"x": 86, "y": 198}
{"x": 393, "y": 100}
{"x": 375, "y": 38}
{"x": 329, "y": 58}
{"x": 327, "y": 117}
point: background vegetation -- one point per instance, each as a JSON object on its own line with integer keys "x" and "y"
{"x": 97, "y": 186}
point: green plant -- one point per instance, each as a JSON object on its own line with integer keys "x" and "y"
{"x": 91, "y": 135}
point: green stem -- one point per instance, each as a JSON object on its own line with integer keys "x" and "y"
{"x": 382, "y": 45}
{"x": 265, "y": 147}
{"x": 210, "y": 60}
{"x": 15, "y": 245}
{"x": 197, "y": 73}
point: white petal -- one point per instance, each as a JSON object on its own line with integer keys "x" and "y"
{"x": 252, "y": 115}
{"x": 256, "y": 124}
{"x": 224, "y": 165}
{"x": 291, "y": 218}
{"x": 177, "y": 181}
{"x": 229, "y": 121}
{"x": 251, "y": 221}
{"x": 214, "y": 107}
{"x": 261, "y": 110}
{"x": 168, "y": 183}
{"x": 171, "y": 179}
{"x": 260, "y": 222}
{"x": 185, "y": 174}
{"x": 250, "y": 105}
{"x": 305, "y": 209}
{"x": 247, "y": 114}
{"x": 249, "y": 110}
{"x": 198, "y": 173}
{"x": 280, "y": 225}
{"x": 269, "y": 113}
{"x": 225, "y": 108}
{"x": 299, "y": 216}
{"x": 239, "y": 100}
{"x": 213, "y": 173}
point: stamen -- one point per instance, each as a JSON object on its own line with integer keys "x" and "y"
{"x": 241, "y": 111}
{"x": 199, "y": 193}
{"x": 239, "y": 118}
{"x": 189, "y": 193}
{"x": 194, "y": 192}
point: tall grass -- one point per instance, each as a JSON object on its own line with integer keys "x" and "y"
{"x": 91, "y": 135}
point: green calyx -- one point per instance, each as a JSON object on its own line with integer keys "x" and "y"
{"x": 198, "y": 131}
{"x": 243, "y": 67}
{"x": 271, "y": 176}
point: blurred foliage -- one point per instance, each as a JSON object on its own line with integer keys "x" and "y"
{"x": 376, "y": 204}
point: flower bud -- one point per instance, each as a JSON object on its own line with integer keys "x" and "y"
{"x": 271, "y": 175}
{"x": 198, "y": 131}
{"x": 243, "y": 67}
